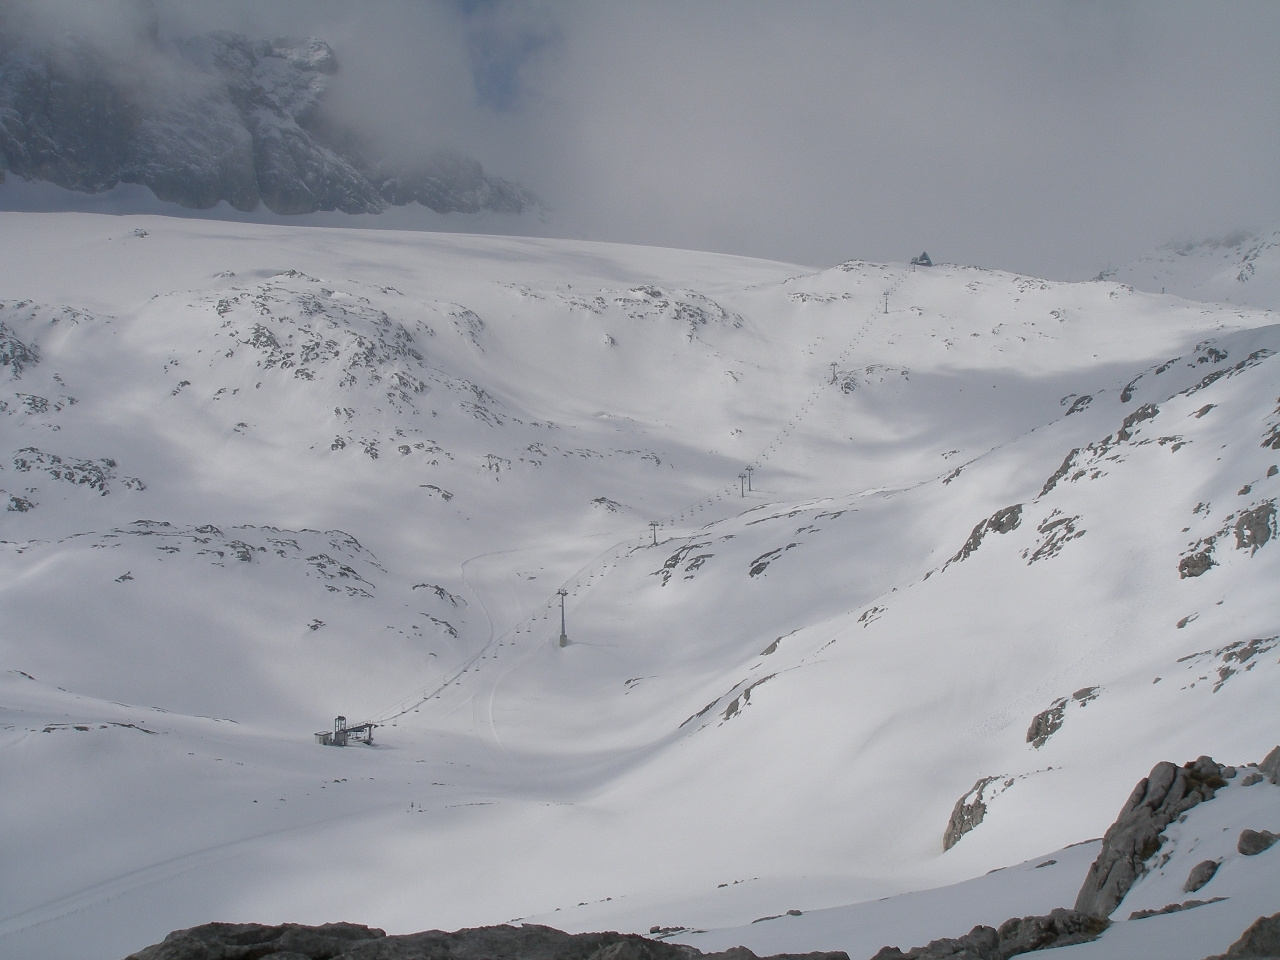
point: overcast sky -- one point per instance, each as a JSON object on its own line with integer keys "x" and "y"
{"x": 1050, "y": 138}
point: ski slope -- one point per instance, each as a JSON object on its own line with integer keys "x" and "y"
{"x": 258, "y": 476}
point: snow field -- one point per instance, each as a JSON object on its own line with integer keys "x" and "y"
{"x": 787, "y": 695}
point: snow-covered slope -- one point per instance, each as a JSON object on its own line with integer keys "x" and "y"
{"x": 259, "y": 476}
{"x": 1241, "y": 268}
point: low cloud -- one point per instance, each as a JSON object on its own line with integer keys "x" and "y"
{"x": 1048, "y": 138}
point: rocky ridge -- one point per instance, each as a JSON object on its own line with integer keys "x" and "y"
{"x": 349, "y": 941}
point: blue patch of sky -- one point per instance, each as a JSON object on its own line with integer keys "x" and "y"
{"x": 501, "y": 40}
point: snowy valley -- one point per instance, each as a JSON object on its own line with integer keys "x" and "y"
{"x": 882, "y": 587}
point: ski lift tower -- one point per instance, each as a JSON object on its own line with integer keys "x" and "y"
{"x": 564, "y": 637}
{"x": 341, "y": 734}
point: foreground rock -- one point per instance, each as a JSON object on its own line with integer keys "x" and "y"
{"x": 350, "y": 941}
{"x": 1061, "y": 928}
{"x": 1158, "y": 799}
{"x": 1270, "y": 766}
{"x": 1262, "y": 939}
{"x": 1254, "y": 842}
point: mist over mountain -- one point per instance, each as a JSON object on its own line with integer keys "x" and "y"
{"x": 1052, "y": 139}
{"x": 211, "y": 119}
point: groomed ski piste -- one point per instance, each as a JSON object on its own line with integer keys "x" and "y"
{"x": 259, "y": 476}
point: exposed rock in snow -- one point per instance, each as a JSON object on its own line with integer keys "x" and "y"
{"x": 968, "y": 813}
{"x": 349, "y": 941}
{"x": 1254, "y": 842}
{"x": 1200, "y": 874}
{"x": 1060, "y": 928}
{"x": 1270, "y": 766}
{"x": 1255, "y": 527}
{"x": 1173, "y": 908}
{"x": 1158, "y": 799}
{"x": 98, "y": 475}
{"x": 1262, "y": 939}
{"x": 1048, "y": 722}
{"x": 1002, "y": 521}
{"x": 15, "y": 354}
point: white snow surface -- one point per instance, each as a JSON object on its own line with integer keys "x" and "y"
{"x": 1241, "y": 268}
{"x": 260, "y": 475}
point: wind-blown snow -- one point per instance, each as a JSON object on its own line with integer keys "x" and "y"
{"x": 259, "y": 476}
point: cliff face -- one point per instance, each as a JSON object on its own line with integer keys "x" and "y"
{"x": 218, "y": 117}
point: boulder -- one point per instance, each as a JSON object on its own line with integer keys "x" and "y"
{"x": 1253, "y": 842}
{"x": 1200, "y": 874}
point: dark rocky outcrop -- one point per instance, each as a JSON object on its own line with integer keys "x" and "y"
{"x": 349, "y": 941}
{"x": 1060, "y": 928}
{"x": 211, "y": 119}
{"x": 1158, "y": 799}
{"x": 15, "y": 354}
{"x": 980, "y": 943}
{"x": 1144, "y": 412}
{"x": 1002, "y": 521}
{"x": 1261, "y": 939}
{"x": 967, "y": 813}
{"x": 1048, "y": 722}
{"x": 1195, "y": 565}
{"x": 240, "y": 941}
{"x": 1019, "y": 935}
{"x": 1255, "y": 527}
